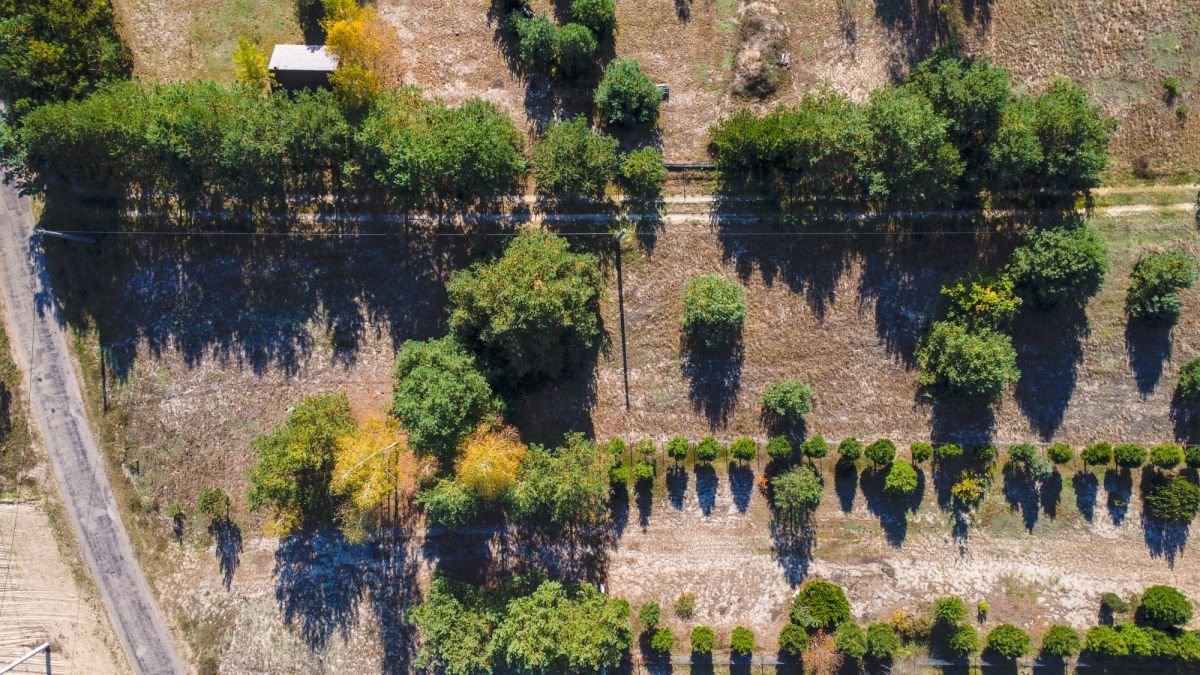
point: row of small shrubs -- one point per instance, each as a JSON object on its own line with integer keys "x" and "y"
{"x": 572, "y": 162}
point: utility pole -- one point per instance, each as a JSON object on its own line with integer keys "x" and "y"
{"x": 621, "y": 306}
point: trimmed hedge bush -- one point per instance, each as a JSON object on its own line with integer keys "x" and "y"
{"x": 741, "y": 641}
{"x": 1008, "y": 641}
{"x": 901, "y": 479}
{"x": 921, "y": 452}
{"x": 821, "y": 602}
{"x": 677, "y": 448}
{"x": 1060, "y": 642}
{"x": 646, "y": 448}
{"x": 851, "y": 641}
{"x": 882, "y": 641}
{"x": 814, "y": 447}
{"x": 882, "y": 452}
{"x": 947, "y": 452}
{"x": 743, "y": 449}
{"x": 779, "y": 448}
{"x": 787, "y": 401}
{"x": 643, "y": 471}
{"x": 703, "y": 640}
{"x": 849, "y": 450}
{"x": 714, "y": 311}
{"x": 707, "y": 450}
{"x": 576, "y": 47}
{"x": 1097, "y": 454}
{"x": 1164, "y": 607}
{"x": 1060, "y": 453}
{"x": 1166, "y": 456}
{"x": 1129, "y": 456}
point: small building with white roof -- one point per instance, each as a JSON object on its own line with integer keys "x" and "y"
{"x": 302, "y": 66}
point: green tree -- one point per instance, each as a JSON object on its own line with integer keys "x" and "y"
{"x": 455, "y": 628}
{"x": 626, "y": 97}
{"x": 1060, "y": 642}
{"x": 882, "y": 452}
{"x": 560, "y": 629}
{"x": 780, "y": 448}
{"x": 1073, "y": 136}
{"x": 538, "y": 40}
{"x": 294, "y": 463}
{"x": 901, "y": 479}
{"x": 949, "y": 611}
{"x": 882, "y": 641}
{"x": 1166, "y": 456}
{"x": 1164, "y": 607}
{"x": 703, "y": 640}
{"x": 214, "y": 503}
{"x": 1008, "y": 641}
{"x": 963, "y": 640}
{"x": 910, "y": 157}
{"x": 1188, "y": 388}
{"x": 1176, "y": 500}
{"x": 534, "y": 312}
{"x": 576, "y": 50}
{"x": 573, "y": 162}
{"x": 1060, "y": 453}
{"x": 649, "y": 615}
{"x": 1053, "y": 265}
{"x": 598, "y": 15}
{"x": 714, "y": 311}
{"x": 962, "y": 362}
{"x": 566, "y": 486}
{"x": 793, "y": 640}
{"x": 849, "y": 451}
{"x": 439, "y": 395}
{"x": 677, "y": 448}
{"x": 823, "y": 603}
{"x": 662, "y": 640}
{"x": 814, "y": 447}
{"x": 787, "y": 401}
{"x": 250, "y": 66}
{"x": 1097, "y": 454}
{"x": 1129, "y": 455}
{"x": 796, "y": 493}
{"x": 1105, "y": 642}
{"x": 1153, "y": 284}
{"x": 449, "y": 503}
{"x": 642, "y": 173}
{"x": 743, "y": 449}
{"x": 851, "y": 641}
{"x": 741, "y": 641}
{"x": 707, "y": 450}
{"x": 921, "y": 452}
{"x": 982, "y": 301}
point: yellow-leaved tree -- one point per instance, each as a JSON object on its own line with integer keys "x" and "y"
{"x": 250, "y": 66}
{"x": 358, "y": 37}
{"x": 373, "y": 469}
{"x": 490, "y": 461}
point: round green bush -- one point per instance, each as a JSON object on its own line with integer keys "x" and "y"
{"x": 796, "y": 493}
{"x": 1008, "y": 641}
{"x": 1097, "y": 454}
{"x": 572, "y": 161}
{"x": 1153, "y": 284}
{"x": 849, "y": 450}
{"x": 1164, "y": 607}
{"x": 1166, "y": 456}
{"x": 1105, "y": 642}
{"x": 626, "y": 97}
{"x": 949, "y": 611}
{"x": 1022, "y": 453}
{"x": 921, "y": 452}
{"x": 1113, "y": 603}
{"x": 743, "y": 449}
{"x": 618, "y": 476}
{"x": 947, "y": 452}
{"x": 650, "y": 614}
{"x": 787, "y": 401}
{"x": 448, "y": 503}
{"x": 850, "y": 640}
{"x": 703, "y": 640}
{"x": 598, "y": 15}
{"x": 576, "y": 50}
{"x": 1177, "y": 500}
{"x": 662, "y": 640}
{"x": 537, "y": 40}
{"x": 901, "y": 479}
{"x": 967, "y": 363}
{"x": 643, "y": 471}
{"x": 1060, "y": 453}
{"x": 714, "y": 311}
{"x": 814, "y": 447}
{"x": 824, "y": 602}
{"x": 1192, "y": 457}
{"x": 1188, "y": 388}
{"x": 882, "y": 641}
{"x": 741, "y": 642}
{"x": 617, "y": 447}
{"x": 646, "y": 448}
{"x": 1129, "y": 456}
{"x": 707, "y": 450}
{"x": 642, "y": 172}
{"x": 793, "y": 640}
{"x": 779, "y": 448}
{"x": 986, "y": 452}
{"x": 963, "y": 640}
{"x": 882, "y": 452}
{"x": 677, "y": 448}
{"x": 1054, "y": 264}
{"x": 1060, "y": 642}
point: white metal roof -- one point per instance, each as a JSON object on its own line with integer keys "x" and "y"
{"x": 302, "y": 57}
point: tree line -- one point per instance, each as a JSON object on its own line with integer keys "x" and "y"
{"x": 954, "y": 128}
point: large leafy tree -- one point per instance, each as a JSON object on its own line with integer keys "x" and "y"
{"x": 439, "y": 396}
{"x": 571, "y": 161}
{"x": 57, "y": 50}
{"x": 456, "y": 622}
{"x": 1052, "y": 265}
{"x": 1074, "y": 135}
{"x": 532, "y": 313}
{"x": 910, "y": 157}
{"x": 960, "y": 361}
{"x": 567, "y": 486}
{"x": 372, "y": 464}
{"x": 626, "y": 97}
{"x": 490, "y": 461}
{"x": 563, "y": 630}
{"x": 295, "y": 462}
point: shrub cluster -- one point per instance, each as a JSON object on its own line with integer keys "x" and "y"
{"x": 714, "y": 311}
{"x": 568, "y": 52}
{"x": 626, "y": 97}
{"x": 982, "y": 301}
{"x": 968, "y": 362}
{"x": 1056, "y": 264}
{"x": 1188, "y": 388}
{"x": 1153, "y": 284}
{"x": 796, "y": 493}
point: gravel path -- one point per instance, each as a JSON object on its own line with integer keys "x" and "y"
{"x": 41, "y": 351}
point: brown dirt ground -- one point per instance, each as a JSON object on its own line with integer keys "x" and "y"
{"x": 210, "y": 349}
{"x": 1119, "y": 50}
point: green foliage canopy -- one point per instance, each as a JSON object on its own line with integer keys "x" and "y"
{"x": 626, "y": 97}
{"x": 440, "y": 396}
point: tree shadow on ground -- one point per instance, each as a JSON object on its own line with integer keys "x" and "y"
{"x": 845, "y": 484}
{"x": 618, "y": 510}
{"x": 227, "y": 539}
{"x": 1185, "y": 415}
{"x": 392, "y": 578}
{"x": 707, "y": 484}
{"x": 309, "y": 14}
{"x": 1051, "y": 494}
{"x": 1148, "y": 346}
{"x": 491, "y": 554}
{"x": 645, "y": 503}
{"x": 1049, "y": 350}
{"x": 549, "y": 410}
{"x": 1022, "y": 494}
{"x": 263, "y": 302}
{"x": 677, "y": 485}
{"x": 1118, "y": 483}
{"x": 319, "y": 581}
{"x": 1164, "y": 539}
{"x": 741, "y": 485}
{"x": 713, "y": 382}
{"x": 1087, "y": 488}
{"x": 793, "y": 543}
{"x": 968, "y": 422}
{"x": 892, "y": 510}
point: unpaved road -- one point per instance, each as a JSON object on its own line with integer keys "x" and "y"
{"x": 40, "y": 348}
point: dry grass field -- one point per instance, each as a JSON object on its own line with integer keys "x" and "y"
{"x": 208, "y": 343}
{"x": 1120, "y": 51}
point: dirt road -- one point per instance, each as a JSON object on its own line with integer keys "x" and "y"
{"x": 41, "y": 350}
